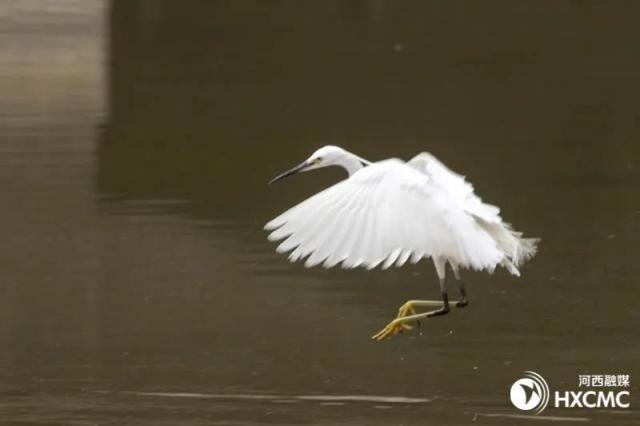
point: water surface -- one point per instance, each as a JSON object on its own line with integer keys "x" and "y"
{"x": 136, "y": 141}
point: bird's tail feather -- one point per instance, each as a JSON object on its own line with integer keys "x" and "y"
{"x": 516, "y": 249}
{"x": 509, "y": 266}
{"x": 526, "y": 249}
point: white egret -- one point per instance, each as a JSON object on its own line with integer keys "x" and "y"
{"x": 390, "y": 212}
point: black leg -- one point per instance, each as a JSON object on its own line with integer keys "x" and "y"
{"x": 463, "y": 295}
{"x": 445, "y": 302}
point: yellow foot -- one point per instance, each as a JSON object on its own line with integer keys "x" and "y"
{"x": 406, "y": 314}
{"x": 394, "y": 327}
{"x": 407, "y": 309}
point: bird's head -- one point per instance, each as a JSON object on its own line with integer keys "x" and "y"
{"x": 329, "y": 155}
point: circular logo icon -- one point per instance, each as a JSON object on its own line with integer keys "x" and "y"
{"x": 530, "y": 393}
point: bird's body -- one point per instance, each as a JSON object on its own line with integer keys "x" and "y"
{"x": 391, "y": 212}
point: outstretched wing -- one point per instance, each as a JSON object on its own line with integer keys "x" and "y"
{"x": 456, "y": 186}
{"x": 386, "y": 213}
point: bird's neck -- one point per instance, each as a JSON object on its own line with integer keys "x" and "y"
{"x": 351, "y": 162}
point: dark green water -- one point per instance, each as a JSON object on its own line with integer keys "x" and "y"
{"x": 136, "y": 140}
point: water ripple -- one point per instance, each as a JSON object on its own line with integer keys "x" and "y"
{"x": 279, "y": 398}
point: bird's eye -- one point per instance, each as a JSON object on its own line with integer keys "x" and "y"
{"x": 317, "y": 160}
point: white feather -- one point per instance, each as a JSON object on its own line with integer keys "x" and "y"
{"x": 391, "y": 212}
{"x": 515, "y": 248}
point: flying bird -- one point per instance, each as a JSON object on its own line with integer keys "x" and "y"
{"x": 392, "y": 212}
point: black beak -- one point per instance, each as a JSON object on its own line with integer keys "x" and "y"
{"x": 296, "y": 169}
